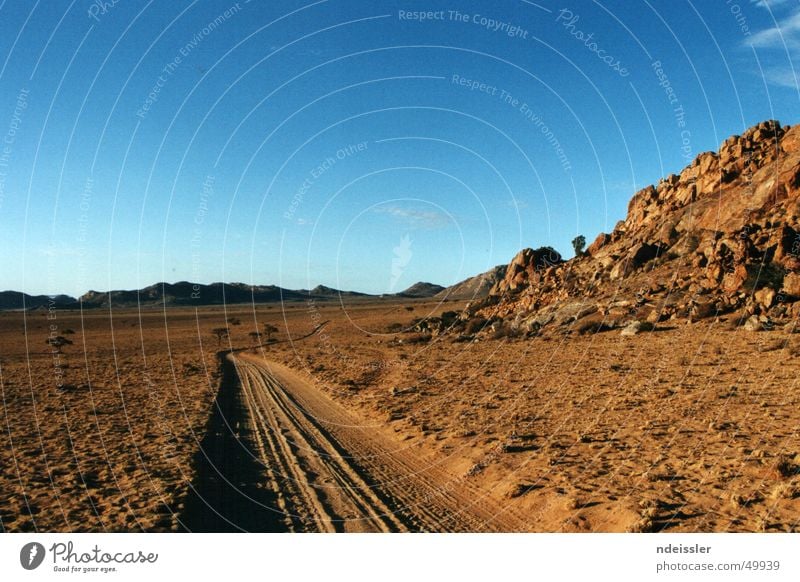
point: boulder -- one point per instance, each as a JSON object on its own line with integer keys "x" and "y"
{"x": 753, "y": 324}
{"x": 636, "y": 327}
{"x": 765, "y": 297}
{"x": 791, "y": 285}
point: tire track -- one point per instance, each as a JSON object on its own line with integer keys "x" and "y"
{"x": 330, "y": 473}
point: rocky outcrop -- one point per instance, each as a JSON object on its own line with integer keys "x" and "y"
{"x": 722, "y": 236}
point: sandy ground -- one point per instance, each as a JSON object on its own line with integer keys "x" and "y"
{"x": 690, "y": 428}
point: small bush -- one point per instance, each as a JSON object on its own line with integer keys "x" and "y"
{"x": 475, "y": 325}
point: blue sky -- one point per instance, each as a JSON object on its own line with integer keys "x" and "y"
{"x": 360, "y": 145}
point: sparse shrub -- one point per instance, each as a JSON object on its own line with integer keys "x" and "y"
{"x": 474, "y": 325}
{"x": 234, "y": 321}
{"x": 189, "y": 368}
{"x": 784, "y": 467}
{"x": 58, "y": 342}
{"x": 409, "y": 308}
{"x": 269, "y": 329}
{"x": 578, "y": 244}
{"x": 448, "y": 317}
{"x": 220, "y": 333}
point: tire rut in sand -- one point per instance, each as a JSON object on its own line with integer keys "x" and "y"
{"x": 332, "y": 474}
{"x": 228, "y": 492}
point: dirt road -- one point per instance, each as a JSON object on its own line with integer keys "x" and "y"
{"x": 330, "y": 472}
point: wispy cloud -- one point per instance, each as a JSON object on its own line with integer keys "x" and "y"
{"x": 771, "y": 4}
{"x": 782, "y": 40}
{"x": 783, "y": 76}
{"x": 415, "y": 218}
{"x": 785, "y": 34}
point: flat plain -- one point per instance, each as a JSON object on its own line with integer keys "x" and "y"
{"x": 690, "y": 427}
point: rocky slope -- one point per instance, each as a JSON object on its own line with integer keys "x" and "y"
{"x": 476, "y": 287}
{"x": 421, "y": 289}
{"x": 722, "y": 239}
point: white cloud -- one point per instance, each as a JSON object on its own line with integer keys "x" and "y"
{"x": 785, "y": 77}
{"x": 770, "y": 4}
{"x": 785, "y": 35}
{"x": 783, "y": 42}
{"x": 414, "y": 218}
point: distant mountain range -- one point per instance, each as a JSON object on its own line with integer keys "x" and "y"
{"x": 185, "y": 293}
{"x": 18, "y": 300}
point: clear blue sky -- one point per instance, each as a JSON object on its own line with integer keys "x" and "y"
{"x": 210, "y": 141}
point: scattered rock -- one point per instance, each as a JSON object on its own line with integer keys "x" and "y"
{"x": 765, "y": 297}
{"x": 753, "y": 324}
{"x": 791, "y": 285}
{"x": 636, "y": 327}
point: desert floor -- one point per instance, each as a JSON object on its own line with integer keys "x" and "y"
{"x": 142, "y": 424}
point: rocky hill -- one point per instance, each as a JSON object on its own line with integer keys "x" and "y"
{"x": 421, "y": 289}
{"x": 721, "y": 239}
{"x": 476, "y": 287}
{"x": 186, "y": 293}
{"x": 18, "y": 300}
{"x": 321, "y": 291}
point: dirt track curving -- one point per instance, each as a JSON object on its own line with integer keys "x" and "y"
{"x": 328, "y": 472}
